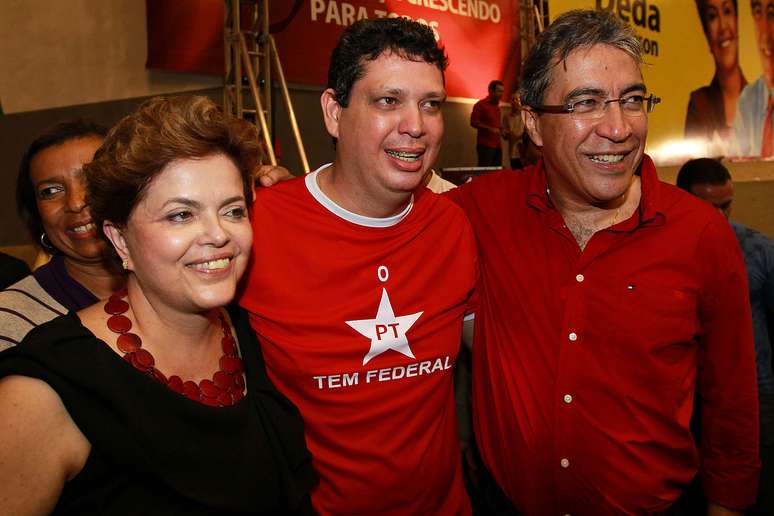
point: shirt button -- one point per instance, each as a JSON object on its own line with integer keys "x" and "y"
{"x": 565, "y": 463}
{"x": 573, "y": 336}
{"x": 568, "y": 398}
{"x": 579, "y": 278}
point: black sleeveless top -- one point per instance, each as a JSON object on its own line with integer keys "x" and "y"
{"x": 154, "y": 451}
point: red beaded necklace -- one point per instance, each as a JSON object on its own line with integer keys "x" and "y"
{"x": 227, "y": 385}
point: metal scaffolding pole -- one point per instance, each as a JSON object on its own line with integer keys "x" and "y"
{"x": 251, "y": 59}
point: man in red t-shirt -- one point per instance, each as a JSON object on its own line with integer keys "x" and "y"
{"x": 359, "y": 282}
{"x": 486, "y": 119}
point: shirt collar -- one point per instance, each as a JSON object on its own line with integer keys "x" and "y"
{"x": 537, "y": 196}
{"x": 649, "y": 211}
{"x": 361, "y": 220}
{"x": 651, "y": 190}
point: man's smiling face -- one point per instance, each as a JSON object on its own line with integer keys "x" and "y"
{"x": 592, "y": 160}
{"x": 389, "y": 135}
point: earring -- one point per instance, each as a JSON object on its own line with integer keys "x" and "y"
{"x": 46, "y": 244}
{"x": 125, "y": 264}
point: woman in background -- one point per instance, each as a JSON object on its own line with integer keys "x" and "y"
{"x": 711, "y": 109}
{"x": 156, "y": 401}
{"x": 51, "y": 199}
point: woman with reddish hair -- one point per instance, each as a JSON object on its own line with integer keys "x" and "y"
{"x": 156, "y": 401}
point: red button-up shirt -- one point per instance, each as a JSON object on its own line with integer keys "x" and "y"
{"x": 488, "y": 114}
{"x": 586, "y": 362}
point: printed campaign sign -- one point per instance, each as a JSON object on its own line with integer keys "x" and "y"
{"x": 481, "y": 37}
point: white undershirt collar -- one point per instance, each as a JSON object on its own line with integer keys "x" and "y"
{"x": 360, "y": 220}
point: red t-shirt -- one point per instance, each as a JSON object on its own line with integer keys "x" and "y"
{"x": 585, "y": 363}
{"x": 486, "y": 113}
{"x": 360, "y": 321}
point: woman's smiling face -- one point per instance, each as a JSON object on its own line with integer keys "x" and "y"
{"x": 720, "y": 27}
{"x": 56, "y": 174}
{"x": 188, "y": 239}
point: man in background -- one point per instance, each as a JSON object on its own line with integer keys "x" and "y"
{"x": 708, "y": 179}
{"x": 485, "y": 118}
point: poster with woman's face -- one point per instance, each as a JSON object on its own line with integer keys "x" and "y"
{"x": 712, "y": 63}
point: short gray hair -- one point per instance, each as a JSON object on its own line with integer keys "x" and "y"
{"x": 580, "y": 28}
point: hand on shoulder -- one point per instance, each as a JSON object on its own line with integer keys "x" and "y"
{"x": 270, "y": 175}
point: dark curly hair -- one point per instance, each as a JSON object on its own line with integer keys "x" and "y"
{"x": 366, "y": 40}
{"x": 63, "y": 132}
{"x": 702, "y": 171}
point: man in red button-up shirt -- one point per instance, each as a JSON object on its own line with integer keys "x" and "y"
{"x": 486, "y": 119}
{"x": 607, "y": 299}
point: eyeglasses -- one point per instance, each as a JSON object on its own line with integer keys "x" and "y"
{"x": 591, "y": 108}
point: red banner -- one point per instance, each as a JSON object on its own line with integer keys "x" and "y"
{"x": 185, "y": 35}
{"x": 481, "y": 37}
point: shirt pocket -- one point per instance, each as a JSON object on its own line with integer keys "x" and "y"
{"x": 658, "y": 314}
{"x": 653, "y": 329}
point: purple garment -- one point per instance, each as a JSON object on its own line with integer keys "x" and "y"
{"x": 55, "y": 280}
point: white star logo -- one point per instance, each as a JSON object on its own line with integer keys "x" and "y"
{"x": 386, "y": 331}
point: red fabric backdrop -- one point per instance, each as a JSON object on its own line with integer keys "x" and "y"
{"x": 481, "y": 37}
